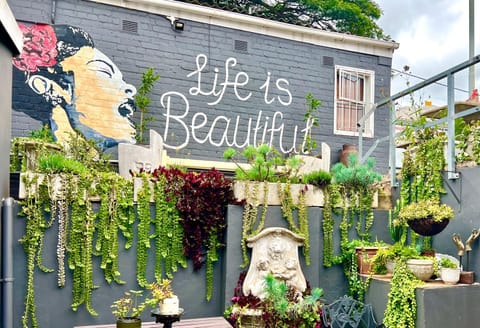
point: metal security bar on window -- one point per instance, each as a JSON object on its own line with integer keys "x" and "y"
{"x": 350, "y": 99}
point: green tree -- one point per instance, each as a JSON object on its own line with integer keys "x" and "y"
{"x": 357, "y": 17}
{"x": 142, "y": 100}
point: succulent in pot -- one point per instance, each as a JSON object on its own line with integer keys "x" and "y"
{"x": 129, "y": 308}
{"x": 449, "y": 271}
{"x": 164, "y": 297}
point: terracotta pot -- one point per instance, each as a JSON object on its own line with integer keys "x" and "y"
{"x": 364, "y": 254}
{"x": 347, "y": 149}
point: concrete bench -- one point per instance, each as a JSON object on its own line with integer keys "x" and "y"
{"x": 210, "y": 322}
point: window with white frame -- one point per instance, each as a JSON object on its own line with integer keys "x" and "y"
{"x": 354, "y": 96}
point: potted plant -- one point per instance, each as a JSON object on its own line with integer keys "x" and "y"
{"x": 282, "y": 306}
{"x": 128, "y": 309}
{"x": 449, "y": 271}
{"x": 423, "y": 268}
{"x": 267, "y": 178}
{"x": 425, "y": 217}
{"x": 401, "y": 310}
{"x": 365, "y": 253}
{"x": 164, "y": 298}
{"x": 384, "y": 260}
{"x": 356, "y": 258}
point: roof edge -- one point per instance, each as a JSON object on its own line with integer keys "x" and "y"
{"x": 258, "y": 25}
{"x": 10, "y": 25}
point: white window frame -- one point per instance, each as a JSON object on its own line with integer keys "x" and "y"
{"x": 368, "y": 94}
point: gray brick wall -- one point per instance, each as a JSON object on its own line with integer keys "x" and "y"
{"x": 38, "y": 11}
{"x": 173, "y": 54}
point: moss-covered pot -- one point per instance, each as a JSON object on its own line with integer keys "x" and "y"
{"x": 129, "y": 323}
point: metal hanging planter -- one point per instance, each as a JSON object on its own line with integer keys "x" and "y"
{"x": 428, "y": 226}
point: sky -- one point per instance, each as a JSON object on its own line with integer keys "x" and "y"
{"x": 433, "y": 37}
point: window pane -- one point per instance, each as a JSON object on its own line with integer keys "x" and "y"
{"x": 350, "y": 99}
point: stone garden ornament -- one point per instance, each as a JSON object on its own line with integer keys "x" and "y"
{"x": 274, "y": 251}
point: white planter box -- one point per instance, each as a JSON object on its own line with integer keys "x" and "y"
{"x": 57, "y": 183}
{"x": 313, "y": 196}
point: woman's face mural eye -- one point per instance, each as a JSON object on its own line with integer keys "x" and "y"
{"x": 109, "y": 71}
{"x": 102, "y": 67}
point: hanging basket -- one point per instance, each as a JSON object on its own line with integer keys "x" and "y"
{"x": 427, "y": 226}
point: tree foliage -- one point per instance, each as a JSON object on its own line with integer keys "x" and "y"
{"x": 357, "y": 17}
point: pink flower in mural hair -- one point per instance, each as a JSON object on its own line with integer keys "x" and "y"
{"x": 39, "y": 48}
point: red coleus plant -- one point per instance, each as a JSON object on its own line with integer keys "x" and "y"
{"x": 202, "y": 199}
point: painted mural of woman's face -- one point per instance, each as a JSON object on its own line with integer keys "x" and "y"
{"x": 102, "y": 103}
{"x": 82, "y": 87}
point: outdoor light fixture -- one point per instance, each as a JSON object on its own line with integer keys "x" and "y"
{"x": 177, "y": 25}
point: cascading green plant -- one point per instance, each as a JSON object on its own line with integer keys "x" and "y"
{"x": 265, "y": 164}
{"x": 143, "y": 229}
{"x": 168, "y": 230}
{"x": 332, "y": 197}
{"x": 34, "y": 208}
{"x": 251, "y": 223}
{"x": 288, "y": 207}
{"x": 61, "y": 190}
{"x": 401, "y": 311}
{"x": 117, "y": 197}
{"x": 356, "y": 185}
{"x": 80, "y": 247}
{"x": 351, "y": 197}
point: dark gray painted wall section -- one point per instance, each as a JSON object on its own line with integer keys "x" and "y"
{"x": 6, "y": 114}
{"x": 452, "y": 306}
{"x": 54, "y": 304}
{"x": 172, "y": 54}
{"x": 448, "y": 307}
{"x": 330, "y": 279}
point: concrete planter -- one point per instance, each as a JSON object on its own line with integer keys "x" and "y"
{"x": 450, "y": 276}
{"x": 422, "y": 269}
{"x": 57, "y": 183}
{"x": 169, "y": 306}
{"x": 242, "y": 189}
